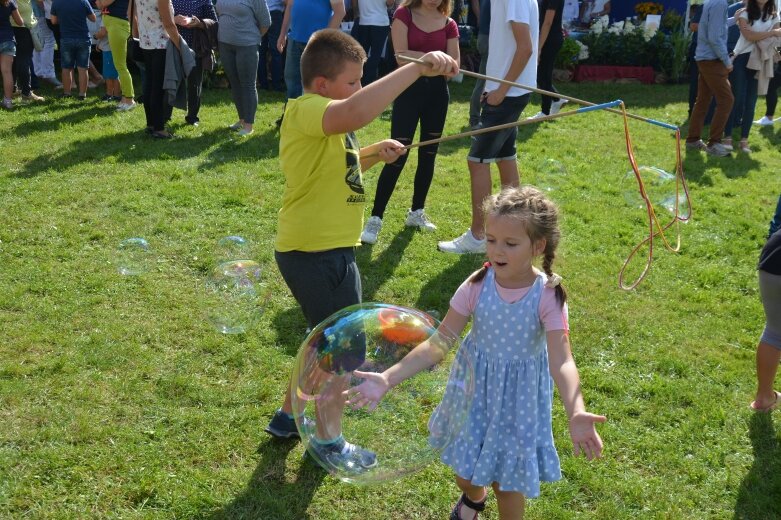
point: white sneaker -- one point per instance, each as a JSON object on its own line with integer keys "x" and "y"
{"x": 556, "y": 106}
{"x": 717, "y": 149}
{"x": 371, "y": 230}
{"x": 466, "y": 243}
{"x": 8, "y": 104}
{"x": 125, "y": 107}
{"x": 536, "y": 116}
{"x": 419, "y": 219}
{"x": 765, "y": 121}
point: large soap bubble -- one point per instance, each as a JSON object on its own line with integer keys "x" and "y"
{"x": 409, "y": 428}
{"x": 233, "y": 303}
{"x": 133, "y": 257}
{"x": 660, "y": 187}
{"x": 232, "y": 247}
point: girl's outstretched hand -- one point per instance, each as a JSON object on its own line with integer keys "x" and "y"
{"x": 368, "y": 393}
{"x": 584, "y": 434}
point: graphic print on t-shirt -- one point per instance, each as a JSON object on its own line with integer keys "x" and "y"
{"x": 353, "y": 176}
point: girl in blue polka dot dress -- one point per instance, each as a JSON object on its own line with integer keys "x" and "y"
{"x": 519, "y": 347}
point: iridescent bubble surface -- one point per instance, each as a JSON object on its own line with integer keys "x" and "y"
{"x": 233, "y": 303}
{"x": 408, "y": 429}
{"x": 133, "y": 257}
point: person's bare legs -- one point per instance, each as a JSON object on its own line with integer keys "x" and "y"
{"x": 768, "y": 358}
{"x": 480, "y": 176}
{"x": 6, "y": 63}
{"x": 82, "y": 81}
{"x": 511, "y": 503}
{"x": 67, "y": 81}
{"x": 473, "y": 493}
{"x": 94, "y": 74}
{"x": 480, "y": 179}
{"x": 508, "y": 173}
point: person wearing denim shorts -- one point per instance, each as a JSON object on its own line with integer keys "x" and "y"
{"x": 75, "y": 41}
{"x": 8, "y": 11}
{"x": 513, "y": 41}
{"x": 769, "y": 347}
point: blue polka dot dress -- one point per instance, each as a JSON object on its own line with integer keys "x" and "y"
{"x": 507, "y": 437}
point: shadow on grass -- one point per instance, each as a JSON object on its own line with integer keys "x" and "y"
{"x": 62, "y": 113}
{"x": 436, "y": 294}
{"x": 270, "y": 492}
{"x": 377, "y": 272}
{"x": 761, "y": 487}
{"x": 290, "y": 326}
{"x": 132, "y": 147}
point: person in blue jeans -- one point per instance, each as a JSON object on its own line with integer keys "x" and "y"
{"x": 371, "y": 30}
{"x": 269, "y": 51}
{"x": 759, "y": 21}
{"x": 75, "y": 41}
{"x": 302, "y": 18}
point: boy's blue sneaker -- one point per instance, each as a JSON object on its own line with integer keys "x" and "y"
{"x": 282, "y": 426}
{"x": 345, "y": 456}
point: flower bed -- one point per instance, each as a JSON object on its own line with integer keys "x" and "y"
{"x": 635, "y": 47}
{"x": 613, "y": 72}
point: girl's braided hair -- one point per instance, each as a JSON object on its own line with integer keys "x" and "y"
{"x": 538, "y": 215}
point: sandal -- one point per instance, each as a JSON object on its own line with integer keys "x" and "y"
{"x": 743, "y": 146}
{"x": 767, "y": 409}
{"x": 455, "y": 514}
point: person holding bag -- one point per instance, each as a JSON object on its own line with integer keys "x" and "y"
{"x": 24, "y": 49}
{"x": 154, "y": 24}
{"x": 191, "y": 16}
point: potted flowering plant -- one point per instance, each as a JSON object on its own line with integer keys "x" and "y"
{"x": 643, "y": 9}
{"x": 618, "y": 50}
{"x": 572, "y": 51}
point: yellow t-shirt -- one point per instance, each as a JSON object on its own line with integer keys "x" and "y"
{"x": 322, "y": 205}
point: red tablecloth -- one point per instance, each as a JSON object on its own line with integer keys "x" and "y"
{"x": 611, "y": 72}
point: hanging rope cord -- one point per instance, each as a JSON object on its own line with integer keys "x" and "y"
{"x": 655, "y": 227}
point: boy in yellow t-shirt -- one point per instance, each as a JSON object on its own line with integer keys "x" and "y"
{"x": 321, "y": 217}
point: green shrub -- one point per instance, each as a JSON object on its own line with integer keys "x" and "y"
{"x": 568, "y": 54}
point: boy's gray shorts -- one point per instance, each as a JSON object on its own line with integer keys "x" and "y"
{"x": 322, "y": 283}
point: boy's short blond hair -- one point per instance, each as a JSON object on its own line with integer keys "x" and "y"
{"x": 326, "y": 53}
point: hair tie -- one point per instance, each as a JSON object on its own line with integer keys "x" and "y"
{"x": 554, "y": 280}
{"x": 487, "y": 265}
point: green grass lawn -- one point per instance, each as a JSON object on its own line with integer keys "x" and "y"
{"x": 118, "y": 400}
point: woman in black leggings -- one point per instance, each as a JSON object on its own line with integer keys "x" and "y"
{"x": 551, "y": 40}
{"x": 418, "y": 27}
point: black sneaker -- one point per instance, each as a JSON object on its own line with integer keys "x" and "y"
{"x": 284, "y": 427}
{"x": 345, "y": 456}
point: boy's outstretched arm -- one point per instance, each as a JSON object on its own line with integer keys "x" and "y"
{"x": 369, "y": 393}
{"x": 386, "y": 151}
{"x": 364, "y": 106}
{"x": 582, "y": 427}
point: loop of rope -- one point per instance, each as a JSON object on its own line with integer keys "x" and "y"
{"x": 655, "y": 227}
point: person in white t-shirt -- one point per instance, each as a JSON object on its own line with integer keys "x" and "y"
{"x": 512, "y": 55}
{"x": 371, "y": 29}
{"x": 760, "y": 20}
{"x": 571, "y": 11}
{"x": 591, "y": 9}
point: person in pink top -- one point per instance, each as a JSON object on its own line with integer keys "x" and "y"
{"x": 519, "y": 346}
{"x": 419, "y": 26}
